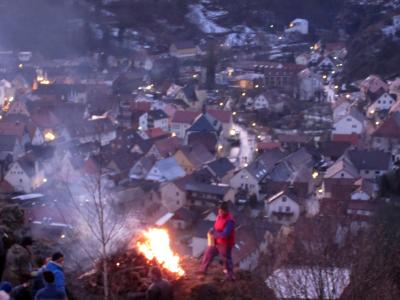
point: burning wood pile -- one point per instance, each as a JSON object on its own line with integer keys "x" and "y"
{"x": 129, "y": 269}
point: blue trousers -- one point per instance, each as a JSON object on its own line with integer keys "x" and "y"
{"x": 224, "y": 252}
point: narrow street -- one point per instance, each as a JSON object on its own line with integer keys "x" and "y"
{"x": 245, "y": 153}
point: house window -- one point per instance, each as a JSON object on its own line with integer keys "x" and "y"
{"x": 366, "y": 171}
{"x": 353, "y": 126}
{"x": 284, "y": 198}
{"x": 20, "y": 180}
{"x": 177, "y": 193}
{"x": 287, "y": 208}
{"x": 342, "y": 175}
{"x": 377, "y": 172}
{"x": 177, "y": 202}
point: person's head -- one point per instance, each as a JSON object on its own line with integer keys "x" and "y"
{"x": 4, "y": 295}
{"x": 223, "y": 209}
{"x": 48, "y": 277}
{"x": 27, "y": 242}
{"x": 155, "y": 274}
{"x": 58, "y": 258}
{"x": 6, "y": 287}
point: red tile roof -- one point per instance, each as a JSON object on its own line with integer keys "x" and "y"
{"x": 224, "y": 116}
{"x": 155, "y": 132}
{"x": 168, "y": 146}
{"x": 185, "y": 116}
{"x": 390, "y": 128}
{"x": 12, "y": 128}
{"x": 350, "y": 138}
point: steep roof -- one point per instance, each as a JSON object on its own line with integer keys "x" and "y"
{"x": 220, "y": 167}
{"x": 205, "y": 123}
{"x": 169, "y": 168}
{"x": 390, "y": 128}
{"x": 197, "y": 154}
{"x": 168, "y": 146}
{"x": 369, "y": 159}
{"x": 341, "y": 165}
{"x": 7, "y": 142}
{"x": 185, "y": 116}
{"x": 223, "y": 116}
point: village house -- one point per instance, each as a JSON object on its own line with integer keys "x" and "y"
{"x": 340, "y": 107}
{"x": 142, "y": 167}
{"x": 277, "y": 75}
{"x": 7, "y": 92}
{"x": 183, "y": 219}
{"x": 259, "y": 102}
{"x": 221, "y": 169}
{"x": 283, "y": 208}
{"x": 16, "y": 128}
{"x": 173, "y": 194}
{"x": 386, "y": 136}
{"x": 362, "y": 206}
{"x": 184, "y": 50}
{"x": 10, "y": 146}
{"x": 298, "y": 26}
{"x": 204, "y": 125}
{"x": 192, "y": 96}
{"x": 294, "y": 171}
{"x": 351, "y": 125}
{"x": 310, "y": 85}
{"x": 67, "y": 92}
{"x": 181, "y": 121}
{"x": 154, "y": 119}
{"x": 101, "y": 130}
{"x": 248, "y": 81}
{"x": 25, "y": 174}
{"x": 191, "y": 158}
{"x": 208, "y": 195}
{"x": 164, "y": 147}
{"x": 369, "y": 163}
{"x": 249, "y": 178}
{"x": 166, "y": 169}
{"x": 383, "y": 103}
{"x": 18, "y": 107}
{"x": 372, "y": 85}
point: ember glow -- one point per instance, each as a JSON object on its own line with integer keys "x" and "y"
{"x": 154, "y": 244}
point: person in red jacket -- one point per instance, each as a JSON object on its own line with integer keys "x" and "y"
{"x": 224, "y": 235}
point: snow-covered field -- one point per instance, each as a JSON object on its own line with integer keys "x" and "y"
{"x": 199, "y": 16}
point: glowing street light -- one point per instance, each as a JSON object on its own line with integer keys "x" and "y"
{"x": 234, "y": 113}
{"x": 315, "y": 174}
{"x": 254, "y": 124}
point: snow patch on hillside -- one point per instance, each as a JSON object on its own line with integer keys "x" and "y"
{"x": 243, "y": 36}
{"x": 199, "y": 18}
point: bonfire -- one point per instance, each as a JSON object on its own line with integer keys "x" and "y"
{"x": 130, "y": 267}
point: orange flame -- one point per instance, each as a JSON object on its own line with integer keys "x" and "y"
{"x": 155, "y": 244}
